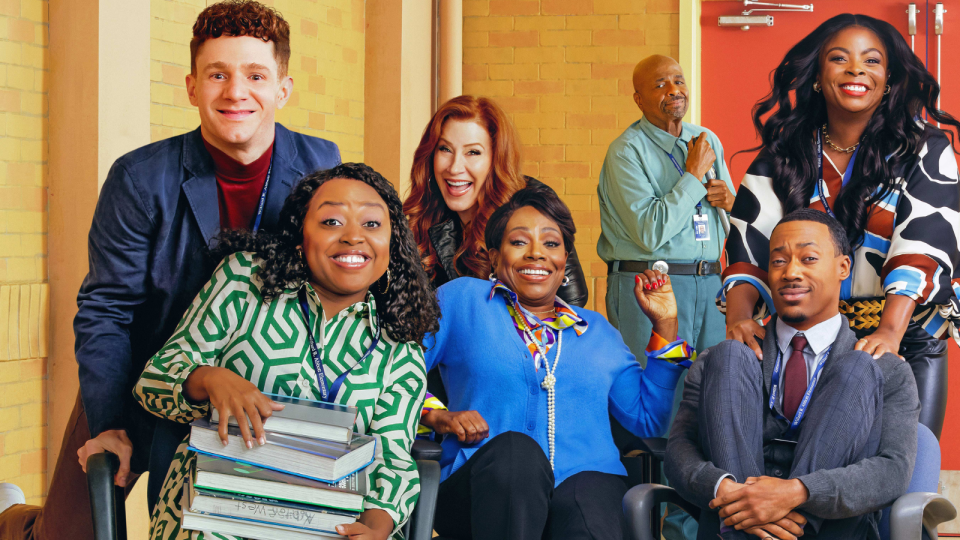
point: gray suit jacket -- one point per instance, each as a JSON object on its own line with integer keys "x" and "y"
{"x": 854, "y": 490}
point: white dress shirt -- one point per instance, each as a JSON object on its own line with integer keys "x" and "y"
{"x": 819, "y": 338}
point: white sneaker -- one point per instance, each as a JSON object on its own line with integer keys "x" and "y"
{"x": 10, "y": 495}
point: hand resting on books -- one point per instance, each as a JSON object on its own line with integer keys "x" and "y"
{"x": 231, "y": 395}
{"x": 373, "y": 525}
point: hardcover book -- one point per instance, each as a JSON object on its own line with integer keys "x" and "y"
{"x": 307, "y": 418}
{"x": 271, "y": 487}
{"x": 327, "y": 461}
{"x": 275, "y": 513}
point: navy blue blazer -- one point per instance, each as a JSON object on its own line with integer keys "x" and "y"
{"x": 148, "y": 252}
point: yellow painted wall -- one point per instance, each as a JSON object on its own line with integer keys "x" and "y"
{"x": 327, "y": 40}
{"x": 562, "y": 69}
{"x": 24, "y": 298}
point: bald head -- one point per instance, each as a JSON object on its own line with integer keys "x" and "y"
{"x": 653, "y": 66}
{"x": 660, "y": 91}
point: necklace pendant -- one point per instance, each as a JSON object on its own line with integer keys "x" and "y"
{"x": 549, "y": 381}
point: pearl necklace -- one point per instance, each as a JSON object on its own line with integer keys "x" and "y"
{"x": 549, "y": 382}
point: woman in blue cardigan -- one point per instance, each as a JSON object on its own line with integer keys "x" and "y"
{"x": 531, "y": 455}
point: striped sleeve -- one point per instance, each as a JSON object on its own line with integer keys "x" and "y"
{"x": 756, "y": 211}
{"x": 204, "y": 331}
{"x": 924, "y": 248}
{"x": 394, "y": 481}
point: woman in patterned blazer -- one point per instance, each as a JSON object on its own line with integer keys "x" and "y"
{"x": 344, "y": 269}
{"x": 846, "y": 137}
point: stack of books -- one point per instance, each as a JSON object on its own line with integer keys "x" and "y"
{"x": 305, "y": 481}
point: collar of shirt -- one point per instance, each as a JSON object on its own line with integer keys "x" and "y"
{"x": 365, "y": 309}
{"x": 541, "y": 334}
{"x": 819, "y": 337}
{"x": 661, "y": 138}
{"x": 566, "y": 317}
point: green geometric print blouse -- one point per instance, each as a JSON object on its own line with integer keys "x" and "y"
{"x": 230, "y": 325}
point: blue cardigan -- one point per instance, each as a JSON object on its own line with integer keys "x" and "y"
{"x": 486, "y": 367}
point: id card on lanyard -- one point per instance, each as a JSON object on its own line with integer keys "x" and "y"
{"x": 811, "y": 385}
{"x": 329, "y": 393}
{"x": 701, "y": 223}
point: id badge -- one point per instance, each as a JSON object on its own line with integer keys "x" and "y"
{"x": 700, "y": 229}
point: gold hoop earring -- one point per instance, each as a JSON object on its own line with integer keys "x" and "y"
{"x": 886, "y": 90}
{"x": 816, "y": 87}
{"x": 300, "y": 254}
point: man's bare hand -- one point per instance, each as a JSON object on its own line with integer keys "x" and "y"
{"x": 719, "y": 195}
{"x": 762, "y": 501}
{"x": 700, "y": 156}
{"x": 116, "y": 441}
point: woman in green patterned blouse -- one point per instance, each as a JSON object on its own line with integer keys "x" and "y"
{"x": 346, "y": 248}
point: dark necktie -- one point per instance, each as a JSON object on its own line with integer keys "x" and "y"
{"x": 794, "y": 377}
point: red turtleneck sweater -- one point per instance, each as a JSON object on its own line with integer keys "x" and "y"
{"x": 238, "y": 187}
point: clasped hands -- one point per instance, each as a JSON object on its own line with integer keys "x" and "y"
{"x": 762, "y": 506}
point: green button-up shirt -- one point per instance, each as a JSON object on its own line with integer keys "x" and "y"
{"x": 647, "y": 206}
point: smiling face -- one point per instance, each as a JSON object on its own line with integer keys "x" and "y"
{"x": 660, "y": 91}
{"x": 853, "y": 71}
{"x": 531, "y": 258}
{"x": 346, "y": 241}
{"x": 462, "y": 164}
{"x": 238, "y": 91}
{"x": 805, "y": 273}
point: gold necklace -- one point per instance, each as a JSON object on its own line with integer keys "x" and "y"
{"x": 826, "y": 139}
{"x": 541, "y": 312}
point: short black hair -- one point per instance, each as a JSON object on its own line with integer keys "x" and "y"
{"x": 837, "y": 232}
{"x": 540, "y": 197}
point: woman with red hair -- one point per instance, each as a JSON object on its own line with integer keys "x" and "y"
{"x": 467, "y": 166}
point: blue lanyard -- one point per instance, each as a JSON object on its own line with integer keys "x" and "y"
{"x": 329, "y": 394}
{"x": 680, "y": 170}
{"x": 263, "y": 199}
{"x": 775, "y": 386}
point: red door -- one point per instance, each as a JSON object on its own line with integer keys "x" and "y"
{"x": 735, "y": 71}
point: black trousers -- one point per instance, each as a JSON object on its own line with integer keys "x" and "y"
{"x": 841, "y": 427}
{"x": 927, "y": 357}
{"x": 505, "y": 491}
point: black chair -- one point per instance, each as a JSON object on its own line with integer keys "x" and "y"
{"x": 109, "y": 514}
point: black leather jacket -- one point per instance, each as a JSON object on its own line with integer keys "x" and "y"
{"x": 447, "y": 235}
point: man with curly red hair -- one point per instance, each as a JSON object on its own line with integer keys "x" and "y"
{"x": 159, "y": 209}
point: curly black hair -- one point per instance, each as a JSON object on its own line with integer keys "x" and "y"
{"x": 408, "y": 309}
{"x": 798, "y": 112}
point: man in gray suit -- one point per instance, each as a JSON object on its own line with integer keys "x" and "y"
{"x": 814, "y": 438}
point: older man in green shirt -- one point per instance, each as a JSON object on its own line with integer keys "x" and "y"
{"x": 655, "y": 208}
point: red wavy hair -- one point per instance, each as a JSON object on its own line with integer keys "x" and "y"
{"x": 425, "y": 206}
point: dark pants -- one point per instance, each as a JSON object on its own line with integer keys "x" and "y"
{"x": 927, "y": 357}
{"x": 841, "y": 427}
{"x": 506, "y": 491}
{"x": 66, "y": 512}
